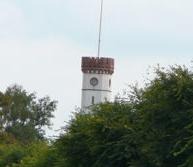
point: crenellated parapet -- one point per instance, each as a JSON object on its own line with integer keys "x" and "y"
{"x": 99, "y": 65}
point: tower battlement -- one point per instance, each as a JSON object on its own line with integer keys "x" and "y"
{"x": 98, "y": 65}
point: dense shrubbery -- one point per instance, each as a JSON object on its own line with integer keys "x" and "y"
{"x": 153, "y": 129}
{"x": 22, "y": 121}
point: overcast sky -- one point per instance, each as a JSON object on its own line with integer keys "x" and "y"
{"x": 42, "y": 42}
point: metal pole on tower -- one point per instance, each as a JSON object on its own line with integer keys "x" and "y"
{"x": 100, "y": 29}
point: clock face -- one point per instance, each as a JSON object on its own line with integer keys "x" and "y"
{"x": 94, "y": 81}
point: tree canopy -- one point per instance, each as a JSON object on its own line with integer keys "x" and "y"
{"x": 23, "y": 115}
{"x": 153, "y": 128}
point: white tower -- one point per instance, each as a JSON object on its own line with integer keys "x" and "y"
{"x": 97, "y": 74}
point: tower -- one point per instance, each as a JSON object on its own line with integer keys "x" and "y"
{"x": 97, "y": 74}
{"x": 96, "y": 84}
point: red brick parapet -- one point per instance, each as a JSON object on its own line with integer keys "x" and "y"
{"x": 97, "y": 65}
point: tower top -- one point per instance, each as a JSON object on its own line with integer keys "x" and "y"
{"x": 99, "y": 65}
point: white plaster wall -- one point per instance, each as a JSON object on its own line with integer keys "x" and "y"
{"x": 101, "y": 92}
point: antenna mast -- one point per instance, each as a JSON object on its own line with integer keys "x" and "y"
{"x": 100, "y": 29}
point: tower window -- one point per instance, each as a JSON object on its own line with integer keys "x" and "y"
{"x": 109, "y": 83}
{"x": 93, "y": 100}
{"x": 105, "y": 99}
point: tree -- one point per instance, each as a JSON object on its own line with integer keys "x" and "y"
{"x": 23, "y": 115}
{"x": 104, "y": 137}
{"x": 38, "y": 154}
{"x": 153, "y": 129}
{"x": 166, "y": 109}
{"x": 15, "y": 154}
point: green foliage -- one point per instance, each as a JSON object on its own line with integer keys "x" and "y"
{"x": 11, "y": 152}
{"x": 23, "y": 115}
{"x": 22, "y": 120}
{"x": 10, "y": 155}
{"x": 106, "y": 136}
{"x": 153, "y": 129}
{"x": 38, "y": 155}
{"x": 166, "y": 107}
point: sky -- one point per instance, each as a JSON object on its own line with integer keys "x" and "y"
{"x": 42, "y": 42}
